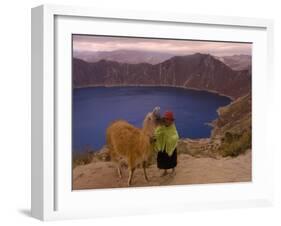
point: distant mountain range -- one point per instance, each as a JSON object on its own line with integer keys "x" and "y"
{"x": 196, "y": 71}
{"x": 236, "y": 62}
{"x": 123, "y": 56}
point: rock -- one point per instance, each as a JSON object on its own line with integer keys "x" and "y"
{"x": 103, "y": 154}
{"x": 196, "y": 147}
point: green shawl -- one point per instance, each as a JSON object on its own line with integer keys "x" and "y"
{"x": 166, "y": 138}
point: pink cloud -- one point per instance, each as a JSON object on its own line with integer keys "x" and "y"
{"x": 181, "y": 47}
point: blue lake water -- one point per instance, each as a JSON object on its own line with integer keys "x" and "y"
{"x": 94, "y": 109}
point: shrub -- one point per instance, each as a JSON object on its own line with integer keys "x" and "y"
{"x": 228, "y": 137}
{"x": 82, "y": 158}
{"x": 235, "y": 144}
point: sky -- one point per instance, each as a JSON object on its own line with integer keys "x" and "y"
{"x": 180, "y": 47}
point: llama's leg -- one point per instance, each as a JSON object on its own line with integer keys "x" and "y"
{"x": 114, "y": 158}
{"x": 130, "y": 176}
{"x": 144, "y": 170}
{"x": 131, "y": 168}
{"x": 119, "y": 170}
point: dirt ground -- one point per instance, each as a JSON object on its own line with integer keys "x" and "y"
{"x": 190, "y": 170}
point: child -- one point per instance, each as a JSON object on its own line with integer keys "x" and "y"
{"x": 166, "y": 138}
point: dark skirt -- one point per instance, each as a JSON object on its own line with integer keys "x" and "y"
{"x": 164, "y": 161}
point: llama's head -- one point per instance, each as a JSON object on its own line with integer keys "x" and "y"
{"x": 151, "y": 121}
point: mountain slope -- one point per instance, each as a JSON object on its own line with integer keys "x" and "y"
{"x": 197, "y": 71}
{"x": 235, "y": 117}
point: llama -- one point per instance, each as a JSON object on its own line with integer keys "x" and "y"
{"x": 132, "y": 144}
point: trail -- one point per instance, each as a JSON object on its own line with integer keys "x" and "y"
{"x": 190, "y": 170}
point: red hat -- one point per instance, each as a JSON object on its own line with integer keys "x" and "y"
{"x": 169, "y": 115}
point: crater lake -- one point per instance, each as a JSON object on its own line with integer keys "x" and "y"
{"x": 93, "y": 109}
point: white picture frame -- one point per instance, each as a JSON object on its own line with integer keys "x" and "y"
{"x": 52, "y": 197}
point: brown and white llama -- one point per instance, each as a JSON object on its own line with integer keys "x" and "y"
{"x": 134, "y": 145}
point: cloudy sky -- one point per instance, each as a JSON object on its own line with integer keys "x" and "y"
{"x": 181, "y": 47}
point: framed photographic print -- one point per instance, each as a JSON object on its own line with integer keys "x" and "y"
{"x": 136, "y": 111}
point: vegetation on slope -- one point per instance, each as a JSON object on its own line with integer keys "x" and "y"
{"x": 234, "y": 144}
{"x": 234, "y": 127}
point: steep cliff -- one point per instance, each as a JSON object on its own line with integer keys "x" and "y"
{"x": 197, "y": 71}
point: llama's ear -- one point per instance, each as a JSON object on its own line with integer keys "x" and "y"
{"x": 156, "y": 110}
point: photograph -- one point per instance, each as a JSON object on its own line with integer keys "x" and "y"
{"x": 160, "y": 112}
